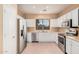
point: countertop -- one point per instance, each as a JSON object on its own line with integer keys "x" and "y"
{"x": 75, "y": 38}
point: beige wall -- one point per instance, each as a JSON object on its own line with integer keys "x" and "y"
{"x": 1, "y": 27}
{"x": 21, "y": 13}
{"x": 38, "y": 16}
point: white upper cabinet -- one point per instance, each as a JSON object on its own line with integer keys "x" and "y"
{"x": 54, "y": 23}
{"x": 64, "y": 17}
{"x": 69, "y": 15}
{"x": 75, "y": 19}
{"x": 60, "y": 20}
{"x": 31, "y": 22}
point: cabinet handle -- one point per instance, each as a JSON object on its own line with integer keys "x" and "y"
{"x": 13, "y": 36}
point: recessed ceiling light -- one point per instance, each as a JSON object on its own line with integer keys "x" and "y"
{"x": 34, "y": 6}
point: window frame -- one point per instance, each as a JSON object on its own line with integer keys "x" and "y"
{"x": 42, "y": 24}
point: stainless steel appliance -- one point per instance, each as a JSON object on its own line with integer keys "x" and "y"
{"x": 62, "y": 42}
{"x": 72, "y": 32}
{"x": 68, "y": 24}
{"x": 21, "y": 42}
{"x": 34, "y": 38}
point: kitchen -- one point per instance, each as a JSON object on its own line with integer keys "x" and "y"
{"x": 57, "y": 27}
{"x": 43, "y": 23}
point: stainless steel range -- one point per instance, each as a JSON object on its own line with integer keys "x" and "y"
{"x": 62, "y": 42}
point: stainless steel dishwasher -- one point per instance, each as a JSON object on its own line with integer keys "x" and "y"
{"x": 34, "y": 38}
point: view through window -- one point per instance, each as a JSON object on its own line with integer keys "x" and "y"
{"x": 42, "y": 24}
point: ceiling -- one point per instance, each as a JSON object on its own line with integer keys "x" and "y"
{"x": 42, "y": 8}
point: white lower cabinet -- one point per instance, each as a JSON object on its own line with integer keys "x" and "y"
{"x": 29, "y": 38}
{"x": 43, "y": 37}
{"x": 75, "y": 47}
{"x": 48, "y": 37}
{"x": 68, "y": 46}
{"x": 72, "y": 47}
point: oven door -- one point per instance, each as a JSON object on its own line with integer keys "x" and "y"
{"x": 62, "y": 43}
{"x": 61, "y": 39}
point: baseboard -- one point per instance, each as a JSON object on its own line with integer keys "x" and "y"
{"x": 46, "y": 42}
{"x": 29, "y": 42}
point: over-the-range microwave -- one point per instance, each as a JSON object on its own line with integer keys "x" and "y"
{"x": 68, "y": 24}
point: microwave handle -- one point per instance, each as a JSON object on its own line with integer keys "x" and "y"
{"x": 70, "y": 23}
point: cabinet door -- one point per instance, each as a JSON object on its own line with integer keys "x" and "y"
{"x": 75, "y": 47}
{"x": 69, "y": 15}
{"x": 31, "y": 22}
{"x": 59, "y": 22}
{"x": 64, "y": 17}
{"x": 29, "y": 38}
{"x": 48, "y": 37}
{"x": 68, "y": 46}
{"x": 75, "y": 17}
{"x": 53, "y": 23}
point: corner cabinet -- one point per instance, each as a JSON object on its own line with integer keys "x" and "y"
{"x": 75, "y": 17}
{"x": 54, "y": 23}
{"x": 31, "y": 22}
{"x": 72, "y": 46}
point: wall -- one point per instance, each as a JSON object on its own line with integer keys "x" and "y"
{"x": 21, "y": 13}
{"x": 33, "y": 29}
{"x": 38, "y": 16}
{"x": 1, "y": 27}
{"x": 10, "y": 28}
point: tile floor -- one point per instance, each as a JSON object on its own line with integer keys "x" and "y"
{"x": 42, "y": 48}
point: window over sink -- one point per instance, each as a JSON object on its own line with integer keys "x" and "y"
{"x": 42, "y": 24}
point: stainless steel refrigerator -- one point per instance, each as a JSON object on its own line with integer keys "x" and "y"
{"x": 21, "y": 34}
